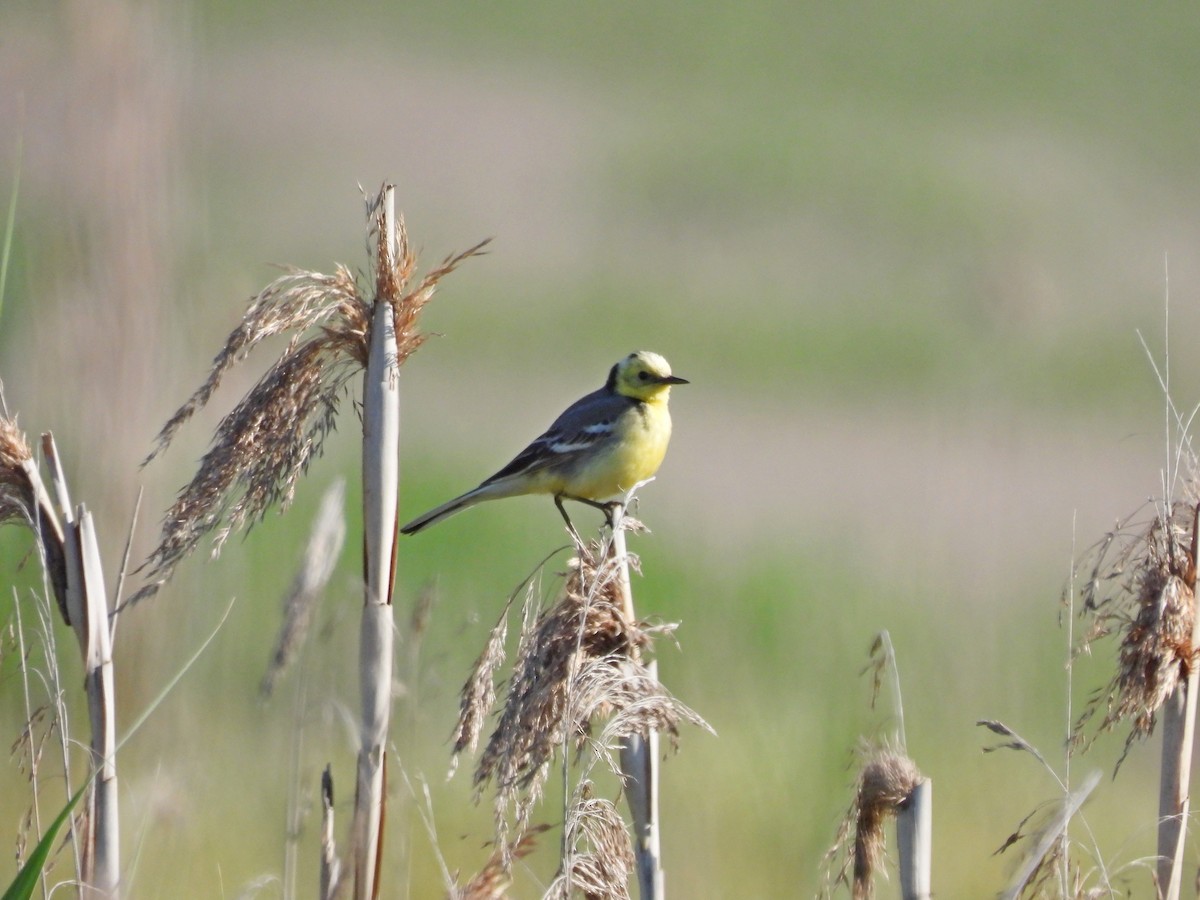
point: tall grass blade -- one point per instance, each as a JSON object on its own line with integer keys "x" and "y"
{"x": 27, "y": 879}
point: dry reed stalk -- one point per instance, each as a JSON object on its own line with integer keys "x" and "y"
{"x": 914, "y": 842}
{"x": 72, "y": 558}
{"x": 885, "y": 783}
{"x": 1145, "y": 593}
{"x": 266, "y": 443}
{"x": 577, "y": 664}
{"x": 639, "y": 752}
{"x": 381, "y": 485}
{"x": 88, "y": 601}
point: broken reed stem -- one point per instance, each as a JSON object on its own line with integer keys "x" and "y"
{"x": 1179, "y": 728}
{"x": 381, "y": 475}
{"x": 639, "y": 754}
{"x": 88, "y": 606}
{"x": 914, "y": 842}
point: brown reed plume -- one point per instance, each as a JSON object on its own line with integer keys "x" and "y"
{"x": 599, "y": 855}
{"x": 574, "y": 668}
{"x": 23, "y": 498}
{"x": 886, "y": 780}
{"x": 1141, "y": 588}
{"x": 264, "y": 445}
{"x": 1146, "y": 594}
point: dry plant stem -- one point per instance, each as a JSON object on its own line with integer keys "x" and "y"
{"x": 1179, "y": 728}
{"x": 639, "y": 755}
{"x": 330, "y": 866}
{"x": 639, "y": 766}
{"x": 914, "y": 839}
{"x": 381, "y": 475}
{"x": 88, "y": 605}
{"x": 102, "y": 713}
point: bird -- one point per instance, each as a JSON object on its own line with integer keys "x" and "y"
{"x": 603, "y": 444}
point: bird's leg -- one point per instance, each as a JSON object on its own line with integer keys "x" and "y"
{"x": 558, "y": 499}
{"x": 608, "y": 508}
{"x": 610, "y": 512}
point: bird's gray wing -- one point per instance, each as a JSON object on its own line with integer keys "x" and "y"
{"x": 584, "y": 425}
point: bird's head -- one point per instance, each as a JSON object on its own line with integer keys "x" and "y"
{"x": 643, "y": 376}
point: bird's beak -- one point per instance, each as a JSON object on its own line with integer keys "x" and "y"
{"x": 673, "y": 379}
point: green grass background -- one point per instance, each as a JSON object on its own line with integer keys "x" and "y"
{"x": 902, "y": 251}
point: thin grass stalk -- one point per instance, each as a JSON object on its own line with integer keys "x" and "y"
{"x": 34, "y": 758}
{"x": 1179, "y": 729}
{"x": 1050, "y": 834}
{"x": 381, "y": 476}
{"x": 914, "y": 840}
{"x": 58, "y": 698}
{"x": 639, "y": 755}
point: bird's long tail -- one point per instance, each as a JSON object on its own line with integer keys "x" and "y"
{"x": 488, "y": 491}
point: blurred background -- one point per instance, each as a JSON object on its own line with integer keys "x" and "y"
{"x": 916, "y": 260}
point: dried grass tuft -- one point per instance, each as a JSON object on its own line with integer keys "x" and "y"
{"x": 17, "y": 500}
{"x": 262, "y": 448}
{"x": 23, "y": 499}
{"x": 1144, "y": 592}
{"x": 885, "y": 781}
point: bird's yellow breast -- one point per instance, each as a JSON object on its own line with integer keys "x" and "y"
{"x": 637, "y": 450}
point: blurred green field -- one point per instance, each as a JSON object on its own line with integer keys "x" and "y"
{"x": 902, "y": 252}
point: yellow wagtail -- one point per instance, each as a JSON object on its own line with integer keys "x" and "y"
{"x": 602, "y": 445}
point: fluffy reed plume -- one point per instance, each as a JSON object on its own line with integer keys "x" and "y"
{"x": 599, "y": 856}
{"x": 574, "y": 665}
{"x": 23, "y": 498}
{"x": 885, "y": 782}
{"x": 1141, "y": 587}
{"x": 263, "y": 446}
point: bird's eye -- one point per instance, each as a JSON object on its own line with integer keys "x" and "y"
{"x": 643, "y": 375}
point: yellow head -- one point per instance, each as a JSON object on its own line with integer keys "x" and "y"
{"x": 643, "y": 376}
